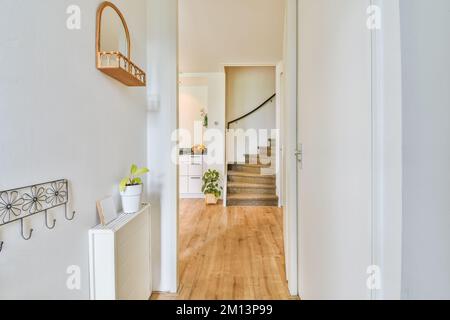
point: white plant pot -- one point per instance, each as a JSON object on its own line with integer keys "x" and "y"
{"x": 131, "y": 199}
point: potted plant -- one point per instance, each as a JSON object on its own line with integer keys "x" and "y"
{"x": 211, "y": 186}
{"x": 131, "y": 189}
{"x": 204, "y": 116}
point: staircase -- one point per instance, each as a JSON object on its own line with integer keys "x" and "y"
{"x": 253, "y": 183}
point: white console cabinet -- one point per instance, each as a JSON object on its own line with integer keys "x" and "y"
{"x": 192, "y": 168}
{"x": 120, "y": 258}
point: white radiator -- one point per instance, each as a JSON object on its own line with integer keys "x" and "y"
{"x": 120, "y": 258}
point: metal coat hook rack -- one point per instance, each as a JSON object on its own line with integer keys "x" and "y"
{"x": 19, "y": 204}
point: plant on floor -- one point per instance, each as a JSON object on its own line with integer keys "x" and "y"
{"x": 131, "y": 189}
{"x": 211, "y": 186}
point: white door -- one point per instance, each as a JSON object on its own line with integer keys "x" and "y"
{"x": 334, "y": 129}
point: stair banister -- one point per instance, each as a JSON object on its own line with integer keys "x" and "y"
{"x": 253, "y": 111}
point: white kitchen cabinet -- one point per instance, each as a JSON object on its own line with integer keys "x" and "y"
{"x": 184, "y": 169}
{"x": 192, "y": 168}
{"x": 195, "y": 185}
{"x": 196, "y": 169}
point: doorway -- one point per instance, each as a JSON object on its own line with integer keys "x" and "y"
{"x": 214, "y": 241}
{"x": 290, "y": 148}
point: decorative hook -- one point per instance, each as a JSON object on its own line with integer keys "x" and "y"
{"x": 67, "y": 217}
{"x": 23, "y": 236}
{"x": 73, "y": 216}
{"x": 46, "y": 221}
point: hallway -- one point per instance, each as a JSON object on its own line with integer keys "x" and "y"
{"x": 230, "y": 253}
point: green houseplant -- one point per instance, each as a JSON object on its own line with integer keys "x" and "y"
{"x": 204, "y": 116}
{"x": 211, "y": 186}
{"x": 131, "y": 188}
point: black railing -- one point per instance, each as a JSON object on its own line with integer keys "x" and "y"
{"x": 253, "y": 111}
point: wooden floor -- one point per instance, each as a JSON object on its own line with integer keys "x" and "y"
{"x": 231, "y": 253}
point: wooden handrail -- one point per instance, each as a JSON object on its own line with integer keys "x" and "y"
{"x": 253, "y": 111}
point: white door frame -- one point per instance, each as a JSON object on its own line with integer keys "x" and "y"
{"x": 279, "y": 70}
{"x": 387, "y": 149}
{"x": 290, "y": 145}
{"x": 387, "y": 138}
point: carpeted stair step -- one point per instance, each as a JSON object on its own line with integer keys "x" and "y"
{"x": 266, "y": 200}
{"x": 250, "y": 168}
{"x": 251, "y": 188}
{"x": 245, "y": 177}
{"x": 258, "y": 159}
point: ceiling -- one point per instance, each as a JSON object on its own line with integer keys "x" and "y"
{"x": 214, "y": 33}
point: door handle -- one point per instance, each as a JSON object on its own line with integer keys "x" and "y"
{"x": 299, "y": 154}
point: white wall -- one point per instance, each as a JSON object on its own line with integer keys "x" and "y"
{"x": 426, "y": 148}
{"x": 204, "y": 91}
{"x": 162, "y": 122}
{"x": 216, "y": 116}
{"x": 192, "y": 100}
{"x": 218, "y": 32}
{"x": 209, "y": 87}
{"x": 248, "y": 88}
{"x": 62, "y": 118}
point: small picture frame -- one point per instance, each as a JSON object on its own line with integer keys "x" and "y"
{"x": 107, "y": 211}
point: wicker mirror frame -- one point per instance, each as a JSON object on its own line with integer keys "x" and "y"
{"x": 98, "y": 37}
{"x": 124, "y": 70}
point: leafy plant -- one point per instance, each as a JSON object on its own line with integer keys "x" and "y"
{"x": 204, "y": 116}
{"x": 134, "y": 179}
{"x": 211, "y": 183}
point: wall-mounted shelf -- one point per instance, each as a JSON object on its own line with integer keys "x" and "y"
{"x": 119, "y": 67}
{"x": 114, "y": 63}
